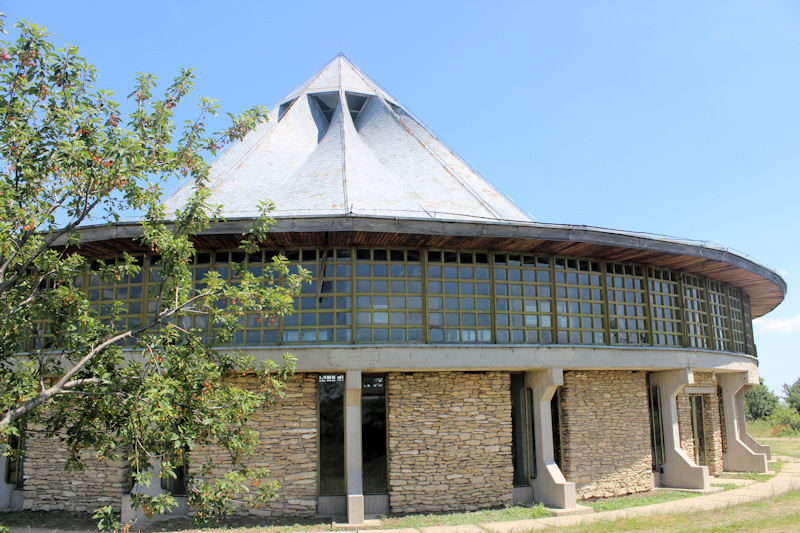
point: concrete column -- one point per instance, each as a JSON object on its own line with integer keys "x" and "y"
{"x": 352, "y": 447}
{"x": 744, "y": 453}
{"x": 680, "y": 471}
{"x": 549, "y": 487}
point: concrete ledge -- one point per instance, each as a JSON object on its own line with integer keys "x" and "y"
{"x": 573, "y": 511}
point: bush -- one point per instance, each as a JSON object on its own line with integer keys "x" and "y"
{"x": 759, "y": 402}
{"x": 786, "y": 421}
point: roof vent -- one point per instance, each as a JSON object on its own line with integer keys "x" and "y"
{"x": 284, "y": 108}
{"x": 355, "y": 102}
{"x": 326, "y": 103}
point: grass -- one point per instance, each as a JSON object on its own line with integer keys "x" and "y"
{"x": 725, "y": 486}
{"x": 48, "y": 520}
{"x": 776, "y": 514}
{"x": 506, "y": 514}
{"x": 774, "y": 468}
{"x": 637, "y": 500}
{"x": 758, "y": 429}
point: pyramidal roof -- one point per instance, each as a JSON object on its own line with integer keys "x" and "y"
{"x": 341, "y": 146}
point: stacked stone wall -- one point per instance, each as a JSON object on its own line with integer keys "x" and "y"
{"x": 288, "y": 448}
{"x": 449, "y": 441}
{"x": 48, "y": 487}
{"x": 605, "y": 427}
{"x": 711, "y": 417}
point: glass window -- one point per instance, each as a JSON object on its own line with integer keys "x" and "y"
{"x": 695, "y": 311}
{"x": 390, "y": 295}
{"x": 523, "y": 296}
{"x": 627, "y": 308}
{"x": 462, "y": 282}
{"x": 666, "y": 317}
{"x": 579, "y": 301}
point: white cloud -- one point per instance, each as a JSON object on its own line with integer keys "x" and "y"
{"x": 778, "y": 325}
{"x": 783, "y": 273}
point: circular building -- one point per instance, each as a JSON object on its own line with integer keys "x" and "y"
{"x": 453, "y": 353}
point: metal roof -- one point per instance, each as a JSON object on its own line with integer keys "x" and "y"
{"x": 340, "y": 145}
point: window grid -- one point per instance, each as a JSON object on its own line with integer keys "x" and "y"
{"x": 695, "y": 306}
{"x": 665, "y": 307}
{"x": 327, "y": 316}
{"x": 627, "y": 308}
{"x": 259, "y": 329}
{"x": 459, "y": 297}
{"x": 718, "y": 314}
{"x": 523, "y": 298}
{"x": 128, "y": 290}
{"x": 579, "y": 301}
{"x": 389, "y": 295}
{"x": 748, "y": 326}
{"x": 404, "y": 295}
{"x": 737, "y": 320}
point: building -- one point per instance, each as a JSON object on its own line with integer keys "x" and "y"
{"x": 453, "y": 353}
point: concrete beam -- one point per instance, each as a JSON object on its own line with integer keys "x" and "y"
{"x": 743, "y": 453}
{"x": 514, "y": 358}
{"x": 550, "y": 487}
{"x": 680, "y": 471}
{"x": 352, "y": 447}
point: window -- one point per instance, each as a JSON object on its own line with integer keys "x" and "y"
{"x": 656, "y": 427}
{"x": 718, "y": 314}
{"x": 695, "y": 311}
{"x": 389, "y": 298}
{"x": 459, "y": 297}
{"x": 579, "y": 301}
{"x": 665, "y": 308}
{"x": 523, "y": 446}
{"x": 373, "y": 435}
{"x": 331, "y": 435}
{"x": 176, "y": 485}
{"x": 698, "y": 429}
{"x": 555, "y": 416}
{"x": 523, "y": 298}
{"x": 627, "y": 309}
{"x": 14, "y": 462}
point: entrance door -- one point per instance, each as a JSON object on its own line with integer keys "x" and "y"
{"x": 698, "y": 429}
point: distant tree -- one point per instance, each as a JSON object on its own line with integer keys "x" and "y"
{"x": 760, "y": 402}
{"x": 792, "y": 395}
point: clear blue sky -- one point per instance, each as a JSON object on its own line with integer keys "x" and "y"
{"x": 678, "y": 118}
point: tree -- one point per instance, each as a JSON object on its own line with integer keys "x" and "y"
{"x": 69, "y": 157}
{"x": 759, "y": 402}
{"x": 792, "y": 395}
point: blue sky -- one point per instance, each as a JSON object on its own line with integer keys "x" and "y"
{"x": 675, "y": 118}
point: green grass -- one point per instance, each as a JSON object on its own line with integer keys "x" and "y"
{"x": 725, "y": 486}
{"x": 774, "y": 468}
{"x": 506, "y": 514}
{"x": 48, "y": 520}
{"x": 289, "y": 525}
{"x": 637, "y": 500}
{"x": 779, "y": 513}
{"x": 784, "y": 446}
{"x": 758, "y": 429}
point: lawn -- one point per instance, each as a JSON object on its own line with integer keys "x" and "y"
{"x": 637, "y": 500}
{"x": 776, "y": 514}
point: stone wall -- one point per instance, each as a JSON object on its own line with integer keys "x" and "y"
{"x": 288, "y": 435}
{"x": 48, "y": 487}
{"x": 711, "y": 415}
{"x": 605, "y": 426}
{"x": 449, "y": 441}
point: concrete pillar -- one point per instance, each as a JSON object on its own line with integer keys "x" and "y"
{"x": 549, "y": 487}
{"x": 680, "y": 471}
{"x": 352, "y": 447}
{"x": 743, "y": 453}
